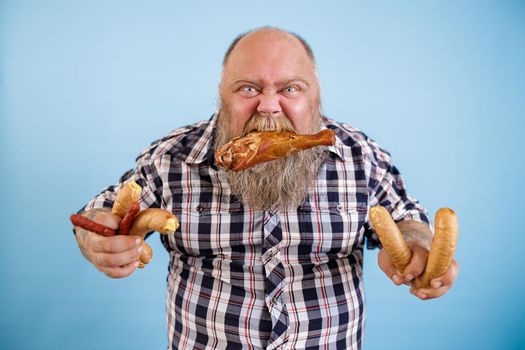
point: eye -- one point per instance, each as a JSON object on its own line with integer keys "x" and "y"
{"x": 248, "y": 91}
{"x": 290, "y": 91}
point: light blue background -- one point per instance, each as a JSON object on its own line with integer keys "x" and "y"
{"x": 85, "y": 85}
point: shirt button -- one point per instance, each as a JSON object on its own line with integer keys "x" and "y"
{"x": 200, "y": 209}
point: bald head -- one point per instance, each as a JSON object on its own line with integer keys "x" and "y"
{"x": 269, "y": 31}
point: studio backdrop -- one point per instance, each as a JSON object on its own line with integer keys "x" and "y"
{"x": 86, "y": 85}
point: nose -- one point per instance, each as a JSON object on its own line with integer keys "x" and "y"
{"x": 269, "y": 104}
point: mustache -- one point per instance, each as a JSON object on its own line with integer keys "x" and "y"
{"x": 283, "y": 183}
{"x": 262, "y": 123}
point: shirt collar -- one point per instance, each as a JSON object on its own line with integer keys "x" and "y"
{"x": 203, "y": 148}
{"x": 336, "y": 149}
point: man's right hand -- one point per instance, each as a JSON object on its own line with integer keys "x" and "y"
{"x": 116, "y": 256}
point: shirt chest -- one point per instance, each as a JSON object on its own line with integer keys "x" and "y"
{"x": 328, "y": 224}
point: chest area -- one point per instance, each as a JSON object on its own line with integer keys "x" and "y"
{"x": 213, "y": 222}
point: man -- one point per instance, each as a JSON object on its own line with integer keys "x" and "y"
{"x": 270, "y": 257}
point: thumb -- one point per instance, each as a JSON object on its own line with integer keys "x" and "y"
{"x": 417, "y": 263}
{"x": 107, "y": 219}
{"x": 386, "y": 265}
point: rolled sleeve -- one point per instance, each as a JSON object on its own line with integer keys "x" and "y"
{"x": 144, "y": 174}
{"x": 388, "y": 190}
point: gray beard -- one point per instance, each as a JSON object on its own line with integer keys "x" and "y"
{"x": 283, "y": 183}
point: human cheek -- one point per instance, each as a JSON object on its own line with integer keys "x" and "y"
{"x": 298, "y": 112}
{"x": 242, "y": 110}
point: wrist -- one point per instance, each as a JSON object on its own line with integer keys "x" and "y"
{"x": 415, "y": 232}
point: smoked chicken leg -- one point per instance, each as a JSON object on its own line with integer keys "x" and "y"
{"x": 263, "y": 146}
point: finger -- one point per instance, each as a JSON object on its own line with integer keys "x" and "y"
{"x": 85, "y": 240}
{"x": 417, "y": 263}
{"x": 429, "y": 293}
{"x": 116, "y": 244}
{"x": 448, "y": 278}
{"x": 386, "y": 265}
{"x": 88, "y": 241}
{"x": 118, "y": 260}
{"x": 121, "y": 271}
{"x": 107, "y": 219}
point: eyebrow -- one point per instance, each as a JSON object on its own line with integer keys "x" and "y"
{"x": 279, "y": 83}
{"x": 293, "y": 80}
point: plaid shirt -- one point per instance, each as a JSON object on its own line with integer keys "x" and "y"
{"x": 240, "y": 278}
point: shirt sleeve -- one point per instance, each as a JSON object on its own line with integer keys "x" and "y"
{"x": 387, "y": 189}
{"x": 144, "y": 174}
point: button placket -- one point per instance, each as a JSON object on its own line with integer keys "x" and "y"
{"x": 272, "y": 254}
{"x": 274, "y": 278}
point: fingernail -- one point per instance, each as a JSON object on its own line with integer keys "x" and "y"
{"x": 140, "y": 249}
{"x": 138, "y": 241}
{"x": 436, "y": 284}
{"x": 422, "y": 295}
{"x": 409, "y": 277}
{"x": 137, "y": 263}
{"x": 396, "y": 279}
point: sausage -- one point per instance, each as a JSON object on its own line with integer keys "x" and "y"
{"x": 443, "y": 246}
{"x": 441, "y": 252}
{"x": 90, "y": 225}
{"x": 390, "y": 237}
{"x": 134, "y": 221}
{"x": 126, "y": 196}
{"x": 127, "y": 221}
{"x": 145, "y": 256}
{"x": 154, "y": 219}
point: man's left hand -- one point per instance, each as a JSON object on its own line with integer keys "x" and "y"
{"x": 439, "y": 286}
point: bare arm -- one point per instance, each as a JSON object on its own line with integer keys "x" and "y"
{"x": 415, "y": 231}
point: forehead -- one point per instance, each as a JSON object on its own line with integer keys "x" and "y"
{"x": 269, "y": 56}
